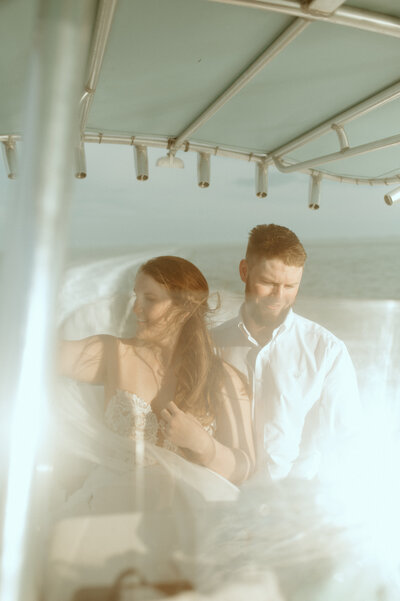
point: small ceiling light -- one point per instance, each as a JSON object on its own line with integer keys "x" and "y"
{"x": 141, "y": 163}
{"x": 170, "y": 160}
{"x": 315, "y": 189}
{"x": 80, "y": 161}
{"x": 261, "y": 179}
{"x": 203, "y": 169}
{"x": 392, "y": 197}
{"x": 10, "y": 158}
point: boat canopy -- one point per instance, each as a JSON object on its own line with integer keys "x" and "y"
{"x": 307, "y": 86}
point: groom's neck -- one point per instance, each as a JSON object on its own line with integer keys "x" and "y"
{"x": 261, "y": 331}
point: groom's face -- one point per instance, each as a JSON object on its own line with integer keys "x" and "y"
{"x": 271, "y": 288}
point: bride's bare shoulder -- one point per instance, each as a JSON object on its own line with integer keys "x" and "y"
{"x": 137, "y": 369}
{"x": 124, "y": 344}
{"x": 129, "y": 349}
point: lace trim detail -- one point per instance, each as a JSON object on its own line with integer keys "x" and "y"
{"x": 211, "y": 428}
{"x": 130, "y": 416}
{"x": 170, "y": 446}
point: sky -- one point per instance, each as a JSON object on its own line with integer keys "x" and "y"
{"x": 111, "y": 209}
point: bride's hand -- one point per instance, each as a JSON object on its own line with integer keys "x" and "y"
{"x": 184, "y": 430}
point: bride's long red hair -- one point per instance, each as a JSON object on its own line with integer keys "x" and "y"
{"x": 198, "y": 369}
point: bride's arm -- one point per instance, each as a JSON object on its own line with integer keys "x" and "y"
{"x": 84, "y": 360}
{"x": 234, "y": 452}
{"x": 231, "y": 452}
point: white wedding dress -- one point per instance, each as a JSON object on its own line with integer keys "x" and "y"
{"x": 129, "y": 435}
{"x": 142, "y": 507}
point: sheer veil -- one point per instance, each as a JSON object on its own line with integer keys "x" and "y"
{"x": 96, "y": 298}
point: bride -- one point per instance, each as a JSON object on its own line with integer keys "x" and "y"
{"x": 176, "y": 439}
{"x": 166, "y": 385}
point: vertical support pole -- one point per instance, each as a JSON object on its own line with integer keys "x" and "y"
{"x": 141, "y": 163}
{"x": 203, "y": 169}
{"x": 80, "y": 160}
{"x": 10, "y": 158}
{"x": 314, "y": 191}
{"x": 261, "y": 179}
{"x": 32, "y": 269}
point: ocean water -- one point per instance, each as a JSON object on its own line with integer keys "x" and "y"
{"x": 359, "y": 270}
{"x": 367, "y": 270}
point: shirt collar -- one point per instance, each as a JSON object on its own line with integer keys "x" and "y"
{"x": 281, "y": 328}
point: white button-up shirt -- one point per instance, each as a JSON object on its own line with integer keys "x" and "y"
{"x": 305, "y": 394}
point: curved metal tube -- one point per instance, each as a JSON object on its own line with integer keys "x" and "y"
{"x": 348, "y": 16}
{"x": 104, "y": 21}
{"x": 337, "y": 156}
{"x": 377, "y": 100}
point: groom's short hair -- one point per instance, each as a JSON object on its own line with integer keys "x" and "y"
{"x": 275, "y": 242}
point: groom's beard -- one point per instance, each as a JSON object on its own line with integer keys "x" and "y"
{"x": 264, "y": 319}
{"x": 260, "y": 311}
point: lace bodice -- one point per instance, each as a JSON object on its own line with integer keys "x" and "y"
{"x": 130, "y": 416}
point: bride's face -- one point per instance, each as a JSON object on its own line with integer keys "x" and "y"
{"x": 152, "y": 306}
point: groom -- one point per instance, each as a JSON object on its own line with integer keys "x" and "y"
{"x": 305, "y": 395}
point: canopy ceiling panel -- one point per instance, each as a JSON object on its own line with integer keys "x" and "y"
{"x": 16, "y": 25}
{"x": 166, "y": 60}
{"x": 326, "y": 69}
{"x": 382, "y": 122}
